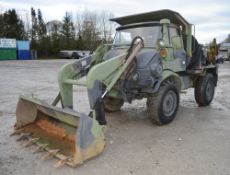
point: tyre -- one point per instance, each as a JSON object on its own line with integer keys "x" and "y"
{"x": 204, "y": 90}
{"x": 162, "y": 107}
{"x": 113, "y": 104}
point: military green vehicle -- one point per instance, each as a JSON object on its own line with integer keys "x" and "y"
{"x": 154, "y": 55}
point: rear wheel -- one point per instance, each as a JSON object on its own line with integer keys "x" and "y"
{"x": 113, "y": 104}
{"x": 162, "y": 107}
{"x": 204, "y": 90}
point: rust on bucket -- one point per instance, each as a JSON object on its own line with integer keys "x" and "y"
{"x": 55, "y": 137}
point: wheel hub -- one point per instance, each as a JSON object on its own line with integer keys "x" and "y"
{"x": 209, "y": 90}
{"x": 169, "y": 103}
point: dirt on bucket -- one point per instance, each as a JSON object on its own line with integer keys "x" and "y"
{"x": 51, "y": 134}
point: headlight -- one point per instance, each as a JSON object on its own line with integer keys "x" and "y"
{"x": 164, "y": 53}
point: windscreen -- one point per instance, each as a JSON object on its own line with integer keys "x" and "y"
{"x": 150, "y": 35}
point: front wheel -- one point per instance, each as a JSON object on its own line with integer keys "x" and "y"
{"x": 162, "y": 107}
{"x": 204, "y": 90}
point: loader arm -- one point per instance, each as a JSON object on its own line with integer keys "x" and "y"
{"x": 68, "y": 135}
{"x": 72, "y": 74}
{"x": 104, "y": 74}
{"x": 108, "y": 73}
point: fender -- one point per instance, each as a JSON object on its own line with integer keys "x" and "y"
{"x": 165, "y": 75}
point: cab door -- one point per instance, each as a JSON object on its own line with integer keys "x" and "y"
{"x": 178, "y": 57}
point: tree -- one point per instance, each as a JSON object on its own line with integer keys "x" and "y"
{"x": 55, "y": 37}
{"x": 106, "y": 26}
{"x": 93, "y": 28}
{"x": 2, "y": 28}
{"x": 89, "y": 29}
{"x": 41, "y": 28}
{"x": 68, "y": 32}
{"x": 12, "y": 26}
{"x": 80, "y": 43}
{"x": 44, "y": 41}
{"x": 34, "y": 29}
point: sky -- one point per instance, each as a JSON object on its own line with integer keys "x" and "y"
{"x": 211, "y": 17}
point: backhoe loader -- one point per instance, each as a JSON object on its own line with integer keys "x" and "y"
{"x": 154, "y": 56}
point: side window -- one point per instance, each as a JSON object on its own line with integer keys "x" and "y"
{"x": 173, "y": 32}
{"x": 175, "y": 38}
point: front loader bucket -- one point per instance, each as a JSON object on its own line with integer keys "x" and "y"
{"x": 70, "y": 136}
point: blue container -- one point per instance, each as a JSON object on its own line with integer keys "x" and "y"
{"x": 23, "y": 45}
{"x": 23, "y": 55}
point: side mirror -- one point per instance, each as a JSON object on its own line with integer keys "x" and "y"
{"x": 161, "y": 44}
{"x": 176, "y": 42}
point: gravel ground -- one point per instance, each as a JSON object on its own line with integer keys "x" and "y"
{"x": 196, "y": 142}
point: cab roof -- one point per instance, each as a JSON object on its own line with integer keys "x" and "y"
{"x": 173, "y": 16}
